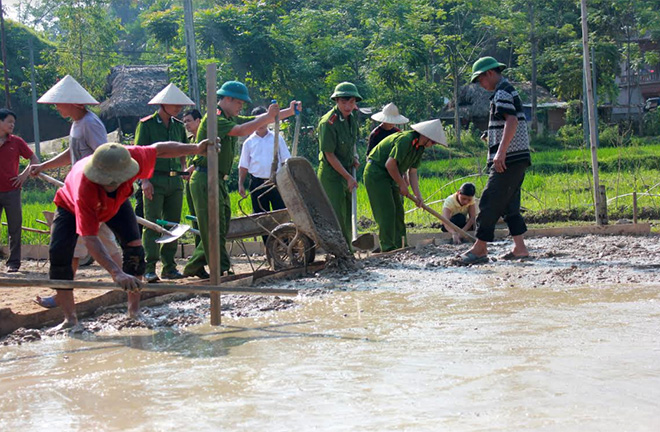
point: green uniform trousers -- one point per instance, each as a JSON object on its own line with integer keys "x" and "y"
{"x": 200, "y": 195}
{"x": 387, "y": 207}
{"x": 191, "y": 208}
{"x": 340, "y": 198}
{"x": 166, "y": 204}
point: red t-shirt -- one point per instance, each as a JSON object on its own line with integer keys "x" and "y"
{"x": 90, "y": 202}
{"x": 9, "y": 153}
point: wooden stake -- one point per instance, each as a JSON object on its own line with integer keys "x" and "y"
{"x": 66, "y": 284}
{"x": 634, "y": 195}
{"x": 214, "y": 257}
{"x": 602, "y": 205}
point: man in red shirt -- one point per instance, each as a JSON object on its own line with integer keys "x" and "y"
{"x": 11, "y": 149}
{"x": 96, "y": 191}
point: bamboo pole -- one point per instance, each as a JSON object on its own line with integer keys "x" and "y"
{"x": 593, "y": 127}
{"x": 217, "y": 289}
{"x": 214, "y": 257}
{"x": 443, "y": 219}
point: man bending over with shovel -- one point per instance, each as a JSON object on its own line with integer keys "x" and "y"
{"x": 96, "y": 191}
{"x": 384, "y": 178}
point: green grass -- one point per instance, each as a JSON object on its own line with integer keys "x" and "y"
{"x": 558, "y": 161}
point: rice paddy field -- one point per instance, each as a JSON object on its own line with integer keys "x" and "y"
{"x": 559, "y": 182}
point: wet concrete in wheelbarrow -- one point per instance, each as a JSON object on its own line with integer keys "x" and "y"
{"x": 569, "y": 340}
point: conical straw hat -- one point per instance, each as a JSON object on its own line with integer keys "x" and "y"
{"x": 432, "y": 130}
{"x": 171, "y": 95}
{"x": 390, "y": 114}
{"x": 67, "y": 91}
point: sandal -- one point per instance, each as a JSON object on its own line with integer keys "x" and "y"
{"x": 46, "y": 302}
{"x": 509, "y": 256}
{"x": 469, "y": 258}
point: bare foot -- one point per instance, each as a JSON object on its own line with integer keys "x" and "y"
{"x": 65, "y": 325}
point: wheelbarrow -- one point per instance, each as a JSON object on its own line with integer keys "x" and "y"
{"x": 294, "y": 233}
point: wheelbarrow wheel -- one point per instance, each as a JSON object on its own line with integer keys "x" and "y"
{"x": 303, "y": 250}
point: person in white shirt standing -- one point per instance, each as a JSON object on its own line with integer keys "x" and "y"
{"x": 256, "y": 160}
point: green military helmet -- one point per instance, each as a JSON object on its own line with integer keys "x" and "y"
{"x": 235, "y": 89}
{"x": 346, "y": 90}
{"x": 484, "y": 64}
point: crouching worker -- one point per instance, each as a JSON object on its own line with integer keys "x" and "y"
{"x": 461, "y": 210}
{"x": 385, "y": 181}
{"x": 96, "y": 191}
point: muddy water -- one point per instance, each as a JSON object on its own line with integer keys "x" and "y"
{"x": 401, "y": 345}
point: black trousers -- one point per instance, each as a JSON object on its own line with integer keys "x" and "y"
{"x": 63, "y": 238}
{"x": 501, "y": 197}
{"x": 459, "y": 219}
{"x": 263, "y": 202}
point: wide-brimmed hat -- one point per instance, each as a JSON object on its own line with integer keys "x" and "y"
{"x": 484, "y": 64}
{"x": 67, "y": 91}
{"x": 236, "y": 90}
{"x": 432, "y": 130}
{"x": 390, "y": 114}
{"x": 111, "y": 163}
{"x": 346, "y": 90}
{"x": 171, "y": 95}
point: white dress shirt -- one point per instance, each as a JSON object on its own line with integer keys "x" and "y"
{"x": 257, "y": 154}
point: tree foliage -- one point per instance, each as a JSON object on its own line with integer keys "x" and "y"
{"x": 415, "y": 53}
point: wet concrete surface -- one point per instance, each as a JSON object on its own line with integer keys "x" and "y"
{"x": 568, "y": 341}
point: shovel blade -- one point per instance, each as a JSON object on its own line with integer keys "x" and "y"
{"x": 173, "y": 234}
{"x": 364, "y": 242}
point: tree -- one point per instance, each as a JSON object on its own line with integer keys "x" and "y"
{"x": 86, "y": 37}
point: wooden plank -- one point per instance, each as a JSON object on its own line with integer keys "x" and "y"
{"x": 214, "y": 191}
{"x": 221, "y": 288}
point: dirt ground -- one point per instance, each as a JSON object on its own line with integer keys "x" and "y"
{"x": 20, "y": 300}
{"x": 589, "y": 261}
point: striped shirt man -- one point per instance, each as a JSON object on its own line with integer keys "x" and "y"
{"x": 506, "y": 101}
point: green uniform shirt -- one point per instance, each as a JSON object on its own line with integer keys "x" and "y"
{"x": 151, "y": 129}
{"x": 229, "y": 143}
{"x": 338, "y": 135}
{"x": 401, "y": 147}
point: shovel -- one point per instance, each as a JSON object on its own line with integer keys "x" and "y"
{"x": 165, "y": 235}
{"x": 443, "y": 219}
{"x": 175, "y": 226}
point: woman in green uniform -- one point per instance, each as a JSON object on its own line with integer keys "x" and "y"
{"x": 385, "y": 181}
{"x": 338, "y": 131}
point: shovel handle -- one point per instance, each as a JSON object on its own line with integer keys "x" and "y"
{"x": 442, "y": 218}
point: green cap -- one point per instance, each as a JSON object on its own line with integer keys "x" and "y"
{"x": 484, "y": 64}
{"x": 235, "y": 89}
{"x": 346, "y": 90}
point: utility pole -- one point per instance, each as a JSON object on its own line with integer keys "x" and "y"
{"x": 35, "y": 111}
{"x": 593, "y": 127}
{"x": 4, "y": 55}
{"x": 535, "y": 121}
{"x": 191, "y": 52}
